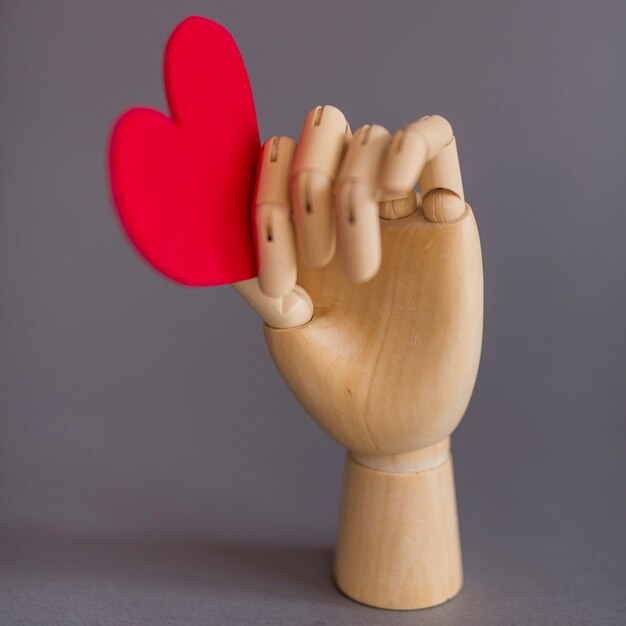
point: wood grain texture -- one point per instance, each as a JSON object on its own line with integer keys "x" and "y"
{"x": 388, "y": 366}
{"x": 398, "y": 544}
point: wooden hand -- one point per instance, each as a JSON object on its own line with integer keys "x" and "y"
{"x": 380, "y": 341}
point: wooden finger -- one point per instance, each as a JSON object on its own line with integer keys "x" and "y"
{"x": 393, "y": 207}
{"x": 276, "y": 250}
{"x": 441, "y": 186}
{"x": 322, "y": 143}
{"x": 358, "y": 226}
{"x": 426, "y": 150}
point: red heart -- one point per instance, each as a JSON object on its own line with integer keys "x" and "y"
{"x": 183, "y": 185}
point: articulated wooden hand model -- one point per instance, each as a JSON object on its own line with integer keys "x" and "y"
{"x": 380, "y": 340}
{"x": 371, "y": 295}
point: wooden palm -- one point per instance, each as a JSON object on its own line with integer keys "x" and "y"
{"x": 388, "y": 366}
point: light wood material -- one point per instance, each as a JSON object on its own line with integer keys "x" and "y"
{"x": 393, "y": 207}
{"x": 338, "y": 186}
{"x": 386, "y": 361}
{"x": 356, "y": 195}
{"x": 441, "y": 187}
{"x": 417, "y": 461}
{"x": 325, "y": 134}
{"x": 426, "y": 150}
{"x": 275, "y": 240}
{"x": 398, "y": 544}
{"x": 387, "y": 369}
{"x": 388, "y": 366}
{"x": 288, "y": 311}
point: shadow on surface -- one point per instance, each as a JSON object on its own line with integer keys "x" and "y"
{"x": 73, "y": 581}
{"x": 188, "y": 566}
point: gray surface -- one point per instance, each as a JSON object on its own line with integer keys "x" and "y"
{"x": 155, "y": 470}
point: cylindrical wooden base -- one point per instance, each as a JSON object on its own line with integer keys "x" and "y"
{"x": 398, "y": 544}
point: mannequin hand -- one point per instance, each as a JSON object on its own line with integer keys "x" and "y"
{"x": 385, "y": 357}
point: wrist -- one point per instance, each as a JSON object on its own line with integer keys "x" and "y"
{"x": 409, "y": 462}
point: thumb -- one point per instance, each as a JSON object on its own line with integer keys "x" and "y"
{"x": 293, "y": 309}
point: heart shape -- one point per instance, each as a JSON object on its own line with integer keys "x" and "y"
{"x": 182, "y": 186}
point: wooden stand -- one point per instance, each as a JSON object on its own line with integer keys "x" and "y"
{"x": 398, "y": 545}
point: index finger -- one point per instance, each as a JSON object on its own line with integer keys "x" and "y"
{"x": 276, "y": 251}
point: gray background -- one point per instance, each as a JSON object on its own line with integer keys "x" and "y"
{"x": 154, "y": 469}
